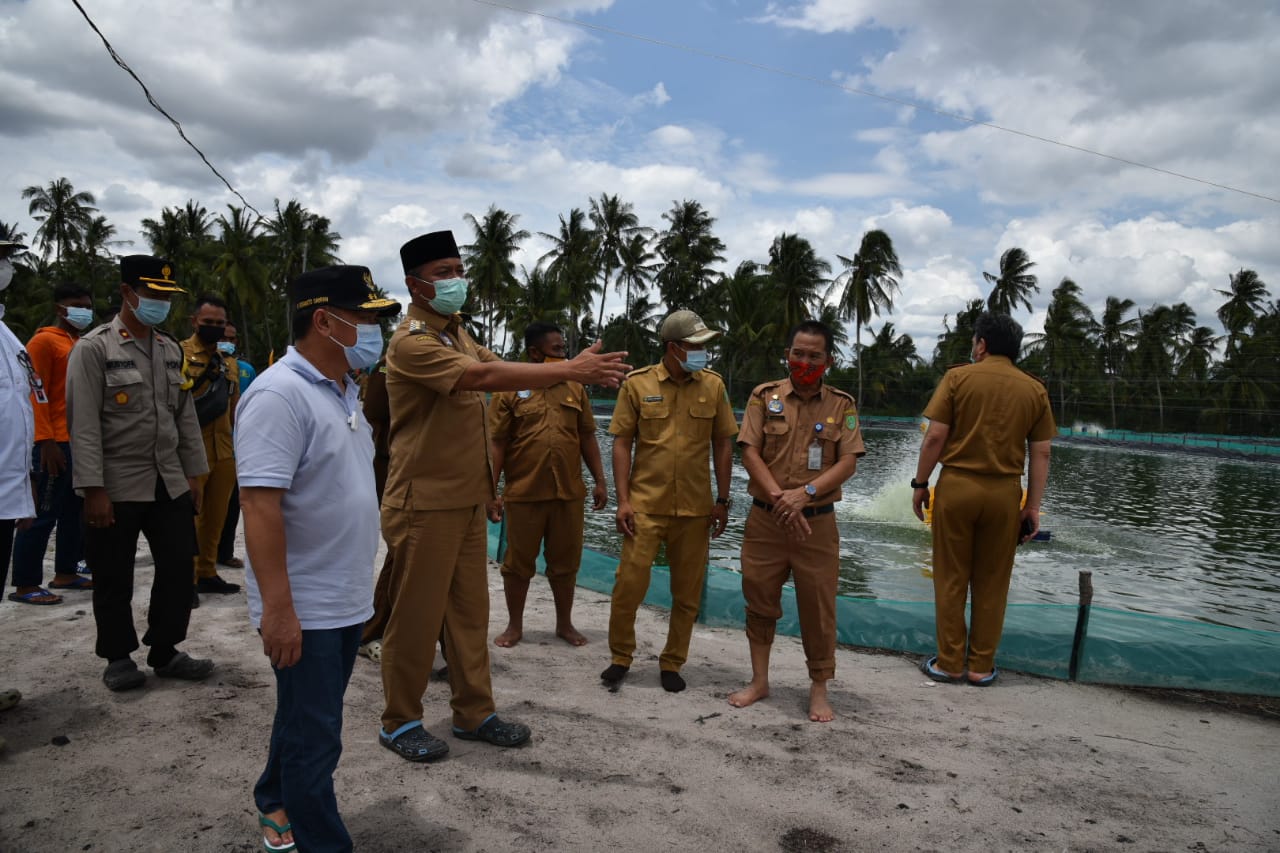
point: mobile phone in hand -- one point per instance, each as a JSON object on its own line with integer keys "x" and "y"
{"x": 1025, "y": 530}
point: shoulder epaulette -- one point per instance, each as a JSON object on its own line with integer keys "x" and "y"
{"x": 840, "y": 392}
{"x": 960, "y": 364}
{"x": 640, "y": 370}
{"x": 765, "y": 386}
{"x": 713, "y": 373}
{"x": 417, "y": 327}
{"x": 96, "y": 332}
{"x": 1033, "y": 376}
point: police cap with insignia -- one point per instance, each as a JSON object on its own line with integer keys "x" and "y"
{"x": 148, "y": 271}
{"x": 687, "y": 327}
{"x": 349, "y": 287}
{"x": 428, "y": 248}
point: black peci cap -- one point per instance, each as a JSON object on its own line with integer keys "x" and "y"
{"x": 428, "y": 248}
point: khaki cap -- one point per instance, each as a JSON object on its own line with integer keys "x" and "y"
{"x": 687, "y": 327}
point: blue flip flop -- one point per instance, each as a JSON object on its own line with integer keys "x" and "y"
{"x": 929, "y": 666}
{"x": 985, "y": 682}
{"x": 33, "y": 596}
{"x": 80, "y": 582}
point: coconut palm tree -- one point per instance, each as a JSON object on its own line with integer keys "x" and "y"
{"x": 870, "y": 281}
{"x": 1247, "y": 295}
{"x": 1113, "y": 337}
{"x": 615, "y": 224}
{"x": 891, "y": 360}
{"x": 490, "y": 267}
{"x": 797, "y": 276}
{"x": 1015, "y": 283}
{"x": 573, "y": 266}
{"x": 63, "y": 215}
{"x": 1063, "y": 348}
{"x": 687, "y": 249}
{"x": 636, "y": 268}
{"x": 241, "y": 264}
{"x": 955, "y": 344}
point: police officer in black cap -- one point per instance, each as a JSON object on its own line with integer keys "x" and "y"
{"x": 138, "y": 452}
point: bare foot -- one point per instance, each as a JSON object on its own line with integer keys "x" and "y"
{"x": 276, "y": 839}
{"x": 509, "y": 637}
{"x": 571, "y": 635}
{"x": 749, "y": 695}
{"x": 820, "y": 710}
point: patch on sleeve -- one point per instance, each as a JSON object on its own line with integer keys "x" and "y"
{"x": 851, "y": 421}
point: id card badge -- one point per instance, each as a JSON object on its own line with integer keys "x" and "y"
{"x": 815, "y": 456}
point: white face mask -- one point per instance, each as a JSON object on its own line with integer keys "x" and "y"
{"x": 6, "y": 273}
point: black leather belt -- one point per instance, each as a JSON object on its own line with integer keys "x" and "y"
{"x": 807, "y": 512}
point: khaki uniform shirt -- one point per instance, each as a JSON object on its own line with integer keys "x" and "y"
{"x": 782, "y": 425}
{"x": 217, "y": 433}
{"x": 439, "y": 437}
{"x": 993, "y": 409}
{"x": 542, "y": 429}
{"x": 130, "y": 420}
{"x": 377, "y": 411}
{"x": 672, "y": 424}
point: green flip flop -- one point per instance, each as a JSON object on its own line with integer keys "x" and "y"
{"x": 280, "y": 830}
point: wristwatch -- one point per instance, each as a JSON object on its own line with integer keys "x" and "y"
{"x": 811, "y": 490}
{"x": 916, "y": 485}
{"x": 725, "y": 502}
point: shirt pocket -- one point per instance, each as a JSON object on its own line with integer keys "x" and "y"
{"x": 530, "y": 407}
{"x": 654, "y": 420}
{"x": 829, "y": 438}
{"x": 776, "y": 431}
{"x": 571, "y": 412}
{"x": 124, "y": 390}
{"x": 702, "y": 418}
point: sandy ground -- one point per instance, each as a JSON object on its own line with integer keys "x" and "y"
{"x": 1030, "y": 764}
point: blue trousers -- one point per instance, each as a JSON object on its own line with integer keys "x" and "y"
{"x": 59, "y": 507}
{"x": 306, "y": 740}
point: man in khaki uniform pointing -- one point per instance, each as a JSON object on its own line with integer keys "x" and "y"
{"x": 439, "y": 482}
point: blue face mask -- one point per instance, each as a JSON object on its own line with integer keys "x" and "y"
{"x": 79, "y": 318}
{"x": 151, "y": 312}
{"x": 367, "y": 349}
{"x": 226, "y": 348}
{"x": 694, "y": 360}
{"x": 451, "y": 295}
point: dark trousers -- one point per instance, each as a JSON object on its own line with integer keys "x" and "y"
{"x": 59, "y": 507}
{"x": 6, "y": 544}
{"x": 306, "y": 740}
{"x": 169, "y": 525}
{"x": 227, "y": 542}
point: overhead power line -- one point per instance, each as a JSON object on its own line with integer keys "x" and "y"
{"x": 151, "y": 100}
{"x": 831, "y": 84}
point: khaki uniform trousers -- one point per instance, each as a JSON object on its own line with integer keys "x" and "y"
{"x": 769, "y": 557}
{"x": 557, "y": 523}
{"x": 218, "y": 485}
{"x": 686, "y": 539}
{"x": 975, "y": 529}
{"x": 439, "y": 579}
{"x": 377, "y": 624}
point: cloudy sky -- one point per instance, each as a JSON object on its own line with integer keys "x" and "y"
{"x": 394, "y": 118}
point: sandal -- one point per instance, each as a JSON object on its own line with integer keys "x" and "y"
{"x": 9, "y": 698}
{"x": 929, "y": 666}
{"x": 496, "y": 732}
{"x": 79, "y": 583}
{"x": 284, "y": 846}
{"x": 987, "y": 680}
{"x": 414, "y": 743}
{"x": 39, "y": 596}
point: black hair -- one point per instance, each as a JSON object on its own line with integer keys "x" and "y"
{"x": 70, "y": 290}
{"x": 535, "y": 333}
{"x": 813, "y": 327}
{"x": 213, "y": 299}
{"x": 1001, "y": 332}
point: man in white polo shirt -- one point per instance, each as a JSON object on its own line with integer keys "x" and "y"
{"x": 304, "y": 461}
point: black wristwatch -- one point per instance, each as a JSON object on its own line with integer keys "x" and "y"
{"x": 725, "y": 502}
{"x": 916, "y": 485}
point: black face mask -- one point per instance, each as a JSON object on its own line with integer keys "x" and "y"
{"x": 209, "y": 334}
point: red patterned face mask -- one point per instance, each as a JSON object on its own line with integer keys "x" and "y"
{"x": 805, "y": 373}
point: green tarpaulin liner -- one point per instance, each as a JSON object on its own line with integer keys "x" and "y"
{"x": 1120, "y": 648}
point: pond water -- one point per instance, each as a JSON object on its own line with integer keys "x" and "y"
{"x": 1171, "y": 534}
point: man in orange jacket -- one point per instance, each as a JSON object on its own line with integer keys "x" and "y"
{"x": 56, "y": 502}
